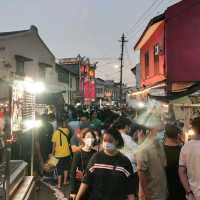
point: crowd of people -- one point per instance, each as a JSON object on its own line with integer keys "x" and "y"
{"x": 102, "y": 155}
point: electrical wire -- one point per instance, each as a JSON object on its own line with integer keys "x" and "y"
{"x": 142, "y": 16}
{"x": 113, "y": 73}
{"x": 137, "y": 22}
{"x": 155, "y": 5}
{"x": 148, "y": 12}
{"x": 139, "y": 31}
{"x": 141, "y": 26}
{"x": 104, "y": 58}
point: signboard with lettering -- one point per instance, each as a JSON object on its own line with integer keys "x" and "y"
{"x": 157, "y": 92}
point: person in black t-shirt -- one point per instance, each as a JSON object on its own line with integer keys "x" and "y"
{"x": 109, "y": 174}
{"x": 43, "y": 141}
{"x": 80, "y": 161}
{"x": 172, "y": 150}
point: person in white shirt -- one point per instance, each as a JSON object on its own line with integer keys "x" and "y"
{"x": 123, "y": 125}
{"x": 189, "y": 164}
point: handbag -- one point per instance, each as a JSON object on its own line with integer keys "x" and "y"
{"x": 80, "y": 174}
{"x": 51, "y": 164}
{"x": 53, "y": 161}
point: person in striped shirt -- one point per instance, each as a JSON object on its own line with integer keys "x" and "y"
{"x": 109, "y": 174}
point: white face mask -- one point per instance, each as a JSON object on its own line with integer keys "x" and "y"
{"x": 89, "y": 142}
{"x": 109, "y": 146}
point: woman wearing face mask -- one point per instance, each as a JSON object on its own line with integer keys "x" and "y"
{"x": 109, "y": 175}
{"x": 80, "y": 161}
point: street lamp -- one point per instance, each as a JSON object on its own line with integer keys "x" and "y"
{"x": 116, "y": 66}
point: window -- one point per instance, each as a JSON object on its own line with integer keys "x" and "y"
{"x": 42, "y": 72}
{"x": 63, "y": 76}
{"x": 43, "y": 67}
{"x": 20, "y": 67}
{"x": 71, "y": 82}
{"x": 77, "y": 83}
{"x": 146, "y": 58}
{"x": 156, "y": 59}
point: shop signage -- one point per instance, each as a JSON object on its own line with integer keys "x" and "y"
{"x": 157, "y": 92}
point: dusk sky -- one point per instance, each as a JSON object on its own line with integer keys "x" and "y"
{"x": 91, "y": 28}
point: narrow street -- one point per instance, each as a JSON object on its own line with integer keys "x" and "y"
{"x": 47, "y": 191}
{"x": 101, "y": 99}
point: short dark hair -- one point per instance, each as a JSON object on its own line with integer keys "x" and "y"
{"x": 84, "y": 114}
{"x": 122, "y": 122}
{"x": 172, "y": 131}
{"x": 116, "y": 135}
{"x": 137, "y": 127}
{"x": 93, "y": 111}
{"x": 88, "y": 130}
{"x": 196, "y": 125}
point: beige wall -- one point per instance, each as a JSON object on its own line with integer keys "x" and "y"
{"x": 29, "y": 45}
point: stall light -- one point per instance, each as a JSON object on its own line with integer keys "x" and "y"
{"x": 29, "y": 124}
{"x": 116, "y": 66}
{"x": 30, "y": 86}
{"x": 141, "y": 105}
{"x": 34, "y": 87}
{"x": 165, "y": 105}
{"x": 78, "y": 104}
{"x": 191, "y": 132}
{"x": 39, "y": 87}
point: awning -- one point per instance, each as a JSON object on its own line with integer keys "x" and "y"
{"x": 175, "y": 95}
{"x": 55, "y": 99}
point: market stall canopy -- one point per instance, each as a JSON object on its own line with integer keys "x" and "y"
{"x": 151, "y": 117}
{"x": 195, "y": 88}
{"x": 55, "y": 99}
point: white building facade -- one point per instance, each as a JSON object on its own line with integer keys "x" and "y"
{"x": 24, "y": 54}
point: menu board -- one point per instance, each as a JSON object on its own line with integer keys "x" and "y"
{"x": 28, "y": 106}
{"x": 17, "y": 105}
{"x": 23, "y": 107}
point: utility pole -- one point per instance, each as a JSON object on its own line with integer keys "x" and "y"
{"x": 122, "y": 41}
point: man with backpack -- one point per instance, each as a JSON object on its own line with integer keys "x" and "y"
{"x": 62, "y": 151}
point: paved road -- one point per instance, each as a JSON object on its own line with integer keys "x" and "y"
{"x": 46, "y": 191}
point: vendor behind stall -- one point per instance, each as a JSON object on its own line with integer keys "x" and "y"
{"x": 43, "y": 143}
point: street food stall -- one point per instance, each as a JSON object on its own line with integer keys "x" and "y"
{"x": 20, "y": 104}
{"x": 182, "y": 104}
{"x": 17, "y": 113}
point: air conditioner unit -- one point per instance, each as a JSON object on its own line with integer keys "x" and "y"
{"x": 156, "y": 50}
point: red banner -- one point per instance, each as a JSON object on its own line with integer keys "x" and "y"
{"x": 89, "y": 90}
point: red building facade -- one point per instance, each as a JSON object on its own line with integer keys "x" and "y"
{"x": 183, "y": 41}
{"x": 151, "y": 59}
{"x": 87, "y": 83}
{"x": 170, "y": 46}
